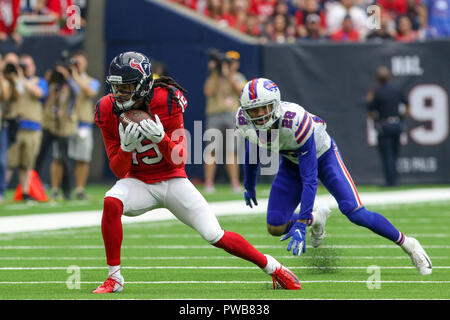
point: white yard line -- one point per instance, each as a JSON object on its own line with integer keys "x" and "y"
{"x": 208, "y": 268}
{"x": 404, "y": 257}
{"x": 233, "y": 282}
{"x": 39, "y": 222}
{"x": 188, "y": 247}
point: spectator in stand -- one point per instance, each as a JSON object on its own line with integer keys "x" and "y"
{"x": 9, "y": 12}
{"x": 347, "y": 33}
{"x": 280, "y": 30}
{"x": 191, "y": 4}
{"x": 263, "y": 9}
{"x": 413, "y": 11}
{"x": 215, "y": 11}
{"x": 61, "y": 12}
{"x": 436, "y": 15}
{"x": 310, "y": 7}
{"x": 405, "y": 32}
{"x": 386, "y": 30}
{"x": 313, "y": 28}
{"x": 252, "y": 26}
{"x": 237, "y": 15}
{"x": 337, "y": 11}
{"x": 394, "y": 7}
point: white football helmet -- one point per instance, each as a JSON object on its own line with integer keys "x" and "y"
{"x": 258, "y": 93}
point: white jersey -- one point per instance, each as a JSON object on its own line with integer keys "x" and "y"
{"x": 295, "y": 127}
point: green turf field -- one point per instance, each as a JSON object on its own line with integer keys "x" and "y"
{"x": 167, "y": 260}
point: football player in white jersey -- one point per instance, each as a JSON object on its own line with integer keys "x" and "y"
{"x": 307, "y": 153}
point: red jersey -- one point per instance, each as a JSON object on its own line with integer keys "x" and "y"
{"x": 150, "y": 162}
{"x": 9, "y": 12}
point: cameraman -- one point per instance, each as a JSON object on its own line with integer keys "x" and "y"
{"x": 81, "y": 145}
{"x": 222, "y": 90}
{"x": 61, "y": 124}
{"x": 8, "y": 94}
{"x": 8, "y": 125}
{"x": 28, "y": 108}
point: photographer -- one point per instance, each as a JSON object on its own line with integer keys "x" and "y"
{"x": 29, "y": 90}
{"x": 60, "y": 124}
{"x": 8, "y": 94}
{"x": 222, "y": 90}
{"x": 81, "y": 145}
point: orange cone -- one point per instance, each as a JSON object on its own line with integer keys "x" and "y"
{"x": 36, "y": 190}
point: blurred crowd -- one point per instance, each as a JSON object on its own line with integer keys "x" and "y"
{"x": 20, "y": 18}
{"x": 329, "y": 20}
{"x": 48, "y": 117}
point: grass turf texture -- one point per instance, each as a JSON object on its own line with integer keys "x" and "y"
{"x": 167, "y": 260}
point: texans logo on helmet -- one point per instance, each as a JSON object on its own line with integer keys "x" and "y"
{"x": 139, "y": 66}
{"x": 271, "y": 86}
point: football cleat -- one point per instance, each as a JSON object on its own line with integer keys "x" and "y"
{"x": 418, "y": 255}
{"x": 318, "y": 227}
{"x": 110, "y": 285}
{"x": 286, "y": 279}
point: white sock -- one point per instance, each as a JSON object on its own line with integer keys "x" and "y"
{"x": 272, "y": 265}
{"x": 114, "y": 272}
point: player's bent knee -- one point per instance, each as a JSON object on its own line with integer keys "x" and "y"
{"x": 276, "y": 230}
{"x": 213, "y": 237}
{"x": 112, "y": 206}
{"x": 361, "y": 217}
{"x": 347, "y": 207}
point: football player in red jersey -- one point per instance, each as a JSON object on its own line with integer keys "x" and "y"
{"x": 148, "y": 158}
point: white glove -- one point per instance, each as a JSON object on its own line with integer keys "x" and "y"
{"x": 130, "y": 137}
{"x": 152, "y": 130}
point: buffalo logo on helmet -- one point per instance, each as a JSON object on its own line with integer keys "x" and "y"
{"x": 270, "y": 85}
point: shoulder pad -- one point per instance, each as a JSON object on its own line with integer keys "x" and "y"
{"x": 103, "y": 108}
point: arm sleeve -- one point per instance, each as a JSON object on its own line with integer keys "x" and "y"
{"x": 250, "y": 168}
{"x": 174, "y": 145}
{"x": 307, "y": 161}
{"x": 119, "y": 160}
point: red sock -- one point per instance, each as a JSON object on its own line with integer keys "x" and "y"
{"x": 235, "y": 244}
{"x": 112, "y": 229}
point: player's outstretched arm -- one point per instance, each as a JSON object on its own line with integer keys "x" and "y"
{"x": 250, "y": 176}
{"x": 307, "y": 161}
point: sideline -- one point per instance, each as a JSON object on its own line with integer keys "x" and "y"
{"x": 53, "y": 221}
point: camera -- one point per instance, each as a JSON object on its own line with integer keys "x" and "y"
{"x": 57, "y": 77}
{"x": 218, "y": 57}
{"x": 72, "y": 63}
{"x": 10, "y": 68}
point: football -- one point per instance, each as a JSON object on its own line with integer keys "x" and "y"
{"x": 133, "y": 115}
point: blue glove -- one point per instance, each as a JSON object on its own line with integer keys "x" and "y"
{"x": 298, "y": 241}
{"x": 250, "y": 195}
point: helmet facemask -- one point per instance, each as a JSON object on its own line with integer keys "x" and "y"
{"x": 135, "y": 90}
{"x": 262, "y": 121}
